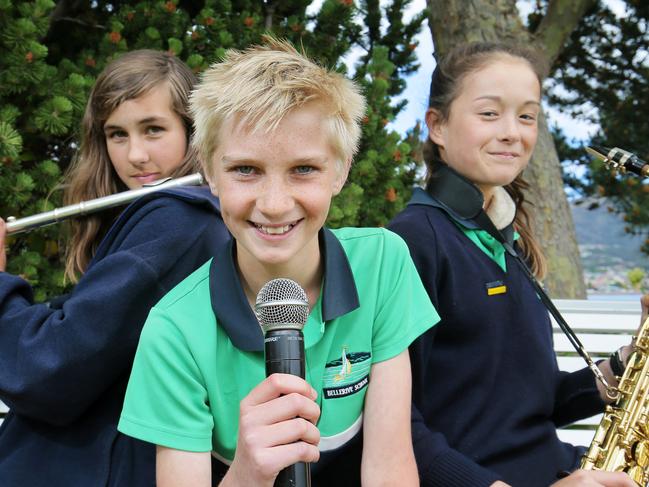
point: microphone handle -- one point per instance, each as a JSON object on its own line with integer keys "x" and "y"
{"x": 284, "y": 351}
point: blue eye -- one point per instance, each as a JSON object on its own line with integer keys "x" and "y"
{"x": 245, "y": 170}
{"x": 304, "y": 169}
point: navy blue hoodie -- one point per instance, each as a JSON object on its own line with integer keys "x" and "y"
{"x": 487, "y": 391}
{"x": 64, "y": 368}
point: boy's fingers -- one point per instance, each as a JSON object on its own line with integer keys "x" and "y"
{"x": 284, "y": 433}
{"x": 278, "y": 385}
{"x": 296, "y": 452}
{"x": 292, "y": 431}
{"x": 280, "y": 409}
{"x": 288, "y": 407}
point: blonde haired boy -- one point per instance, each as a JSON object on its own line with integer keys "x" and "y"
{"x": 276, "y": 133}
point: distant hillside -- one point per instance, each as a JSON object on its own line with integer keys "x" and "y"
{"x": 607, "y": 251}
{"x": 603, "y": 230}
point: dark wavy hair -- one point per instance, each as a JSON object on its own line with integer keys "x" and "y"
{"x": 445, "y": 87}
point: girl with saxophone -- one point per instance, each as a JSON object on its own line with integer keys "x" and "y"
{"x": 487, "y": 392}
{"x": 64, "y": 365}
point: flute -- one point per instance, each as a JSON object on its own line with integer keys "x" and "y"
{"x": 15, "y": 226}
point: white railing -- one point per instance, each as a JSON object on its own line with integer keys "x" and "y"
{"x": 602, "y": 327}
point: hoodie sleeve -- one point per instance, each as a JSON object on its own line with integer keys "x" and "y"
{"x": 56, "y": 362}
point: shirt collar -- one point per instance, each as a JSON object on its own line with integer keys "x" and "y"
{"x": 462, "y": 201}
{"x": 231, "y": 308}
{"x": 502, "y": 209}
{"x": 421, "y": 197}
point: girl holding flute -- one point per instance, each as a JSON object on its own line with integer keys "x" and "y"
{"x": 487, "y": 391}
{"x": 64, "y": 365}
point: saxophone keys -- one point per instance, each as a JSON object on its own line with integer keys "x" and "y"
{"x": 637, "y": 474}
{"x": 641, "y": 453}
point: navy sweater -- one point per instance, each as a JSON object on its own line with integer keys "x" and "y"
{"x": 64, "y": 368}
{"x": 487, "y": 392}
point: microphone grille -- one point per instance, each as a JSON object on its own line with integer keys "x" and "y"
{"x": 281, "y": 304}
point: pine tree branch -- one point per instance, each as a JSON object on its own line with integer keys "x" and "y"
{"x": 66, "y": 10}
{"x": 270, "y": 11}
{"x": 558, "y": 23}
{"x": 61, "y": 9}
{"x": 81, "y": 22}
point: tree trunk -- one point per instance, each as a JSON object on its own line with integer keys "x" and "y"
{"x": 456, "y": 21}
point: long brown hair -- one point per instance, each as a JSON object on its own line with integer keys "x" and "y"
{"x": 445, "y": 87}
{"x": 91, "y": 174}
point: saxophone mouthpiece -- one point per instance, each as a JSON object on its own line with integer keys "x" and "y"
{"x": 598, "y": 152}
{"x": 619, "y": 160}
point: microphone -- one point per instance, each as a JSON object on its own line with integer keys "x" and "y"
{"x": 282, "y": 309}
{"x": 619, "y": 159}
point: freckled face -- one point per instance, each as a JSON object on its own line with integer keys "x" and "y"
{"x": 145, "y": 138}
{"x": 275, "y": 189}
{"x": 492, "y": 127}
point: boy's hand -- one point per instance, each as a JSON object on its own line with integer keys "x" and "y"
{"x": 593, "y": 478}
{"x": 276, "y": 429}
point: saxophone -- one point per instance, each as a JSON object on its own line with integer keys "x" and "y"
{"x": 621, "y": 442}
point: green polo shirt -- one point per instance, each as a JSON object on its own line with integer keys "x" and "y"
{"x": 489, "y": 245}
{"x": 201, "y": 349}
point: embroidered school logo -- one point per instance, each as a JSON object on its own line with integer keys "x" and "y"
{"x": 345, "y": 368}
{"x": 346, "y": 375}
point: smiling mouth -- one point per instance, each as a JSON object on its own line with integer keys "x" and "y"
{"x": 276, "y": 229}
{"x": 509, "y": 155}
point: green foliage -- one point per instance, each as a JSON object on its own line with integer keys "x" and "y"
{"x": 636, "y": 278}
{"x": 36, "y": 117}
{"x": 50, "y": 55}
{"x": 11, "y": 143}
{"x": 604, "y": 73}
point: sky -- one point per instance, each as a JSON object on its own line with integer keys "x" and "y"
{"x": 418, "y": 84}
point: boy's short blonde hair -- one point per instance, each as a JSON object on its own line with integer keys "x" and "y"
{"x": 261, "y": 85}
